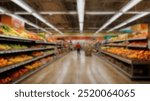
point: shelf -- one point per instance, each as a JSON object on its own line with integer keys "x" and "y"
{"x": 134, "y": 39}
{"x": 130, "y": 46}
{"x": 15, "y": 39}
{"x": 126, "y": 60}
{"x": 137, "y": 46}
{"x": 116, "y": 45}
{"x": 118, "y": 57}
{"x": 31, "y": 72}
{"x": 24, "y": 50}
{"x": 116, "y": 41}
{"x": 34, "y": 71}
{"x": 116, "y": 66}
{"x": 10, "y": 38}
{"x": 3, "y": 69}
{"x": 137, "y": 39}
{"x": 45, "y": 43}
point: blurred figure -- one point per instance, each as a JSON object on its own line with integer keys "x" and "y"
{"x": 78, "y": 48}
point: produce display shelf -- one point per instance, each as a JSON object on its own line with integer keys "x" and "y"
{"x": 116, "y": 41}
{"x": 45, "y": 43}
{"x": 116, "y": 45}
{"x": 116, "y": 66}
{"x": 31, "y": 72}
{"x": 137, "y": 39}
{"x": 24, "y": 50}
{"x": 137, "y": 46}
{"x": 134, "y": 46}
{"x": 126, "y": 60}
{"x": 3, "y": 69}
{"x": 118, "y": 57}
{"x": 131, "y": 39}
{"x": 10, "y": 38}
{"x": 36, "y": 70}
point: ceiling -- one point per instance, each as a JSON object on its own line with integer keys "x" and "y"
{"x": 68, "y": 23}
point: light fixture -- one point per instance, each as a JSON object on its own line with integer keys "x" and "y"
{"x": 131, "y": 4}
{"x": 80, "y": 10}
{"x": 120, "y": 25}
{"x": 81, "y": 27}
{"x": 22, "y": 4}
{"x": 25, "y": 6}
{"x": 140, "y": 15}
{"x": 39, "y": 17}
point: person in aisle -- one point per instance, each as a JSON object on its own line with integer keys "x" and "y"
{"x": 78, "y": 48}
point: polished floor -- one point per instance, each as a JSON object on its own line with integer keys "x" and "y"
{"x": 79, "y": 69}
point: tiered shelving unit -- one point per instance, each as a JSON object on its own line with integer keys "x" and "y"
{"x": 54, "y": 55}
{"x": 133, "y": 68}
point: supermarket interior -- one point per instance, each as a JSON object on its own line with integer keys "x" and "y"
{"x": 74, "y": 42}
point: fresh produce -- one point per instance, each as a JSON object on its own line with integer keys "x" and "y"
{"x": 4, "y": 47}
{"x": 119, "y": 37}
{"x": 5, "y": 80}
{"x": 129, "y": 53}
{"x": 34, "y": 65}
{"x": 13, "y": 75}
{"x": 19, "y": 58}
{"x": 12, "y": 47}
{"x": 16, "y": 73}
{"x": 138, "y": 43}
{"x": 15, "y": 46}
{"x": 8, "y": 31}
{"x": 33, "y": 36}
{"x": 129, "y": 36}
{"x": 35, "y": 54}
{"x": 138, "y": 35}
{"x": 13, "y": 59}
{"x": 13, "y": 32}
{"x": 3, "y": 62}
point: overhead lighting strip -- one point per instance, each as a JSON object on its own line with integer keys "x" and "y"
{"x": 138, "y": 16}
{"x": 25, "y": 6}
{"x": 131, "y": 4}
{"x": 74, "y": 12}
{"x": 81, "y": 10}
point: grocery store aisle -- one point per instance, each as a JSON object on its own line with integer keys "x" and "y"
{"x": 74, "y": 68}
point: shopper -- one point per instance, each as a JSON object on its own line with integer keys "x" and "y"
{"x": 78, "y": 48}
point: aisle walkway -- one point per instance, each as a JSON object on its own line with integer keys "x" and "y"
{"x": 74, "y": 69}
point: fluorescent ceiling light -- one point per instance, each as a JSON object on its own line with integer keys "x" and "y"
{"x": 80, "y": 10}
{"x": 25, "y": 6}
{"x": 74, "y": 12}
{"x": 118, "y": 26}
{"x": 81, "y": 27}
{"x": 131, "y": 4}
{"x": 140, "y": 15}
{"x": 22, "y": 4}
{"x": 39, "y": 17}
{"x": 99, "y": 12}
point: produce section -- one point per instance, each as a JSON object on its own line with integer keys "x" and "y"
{"x": 129, "y": 53}
{"x": 12, "y": 76}
{"x": 23, "y": 53}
